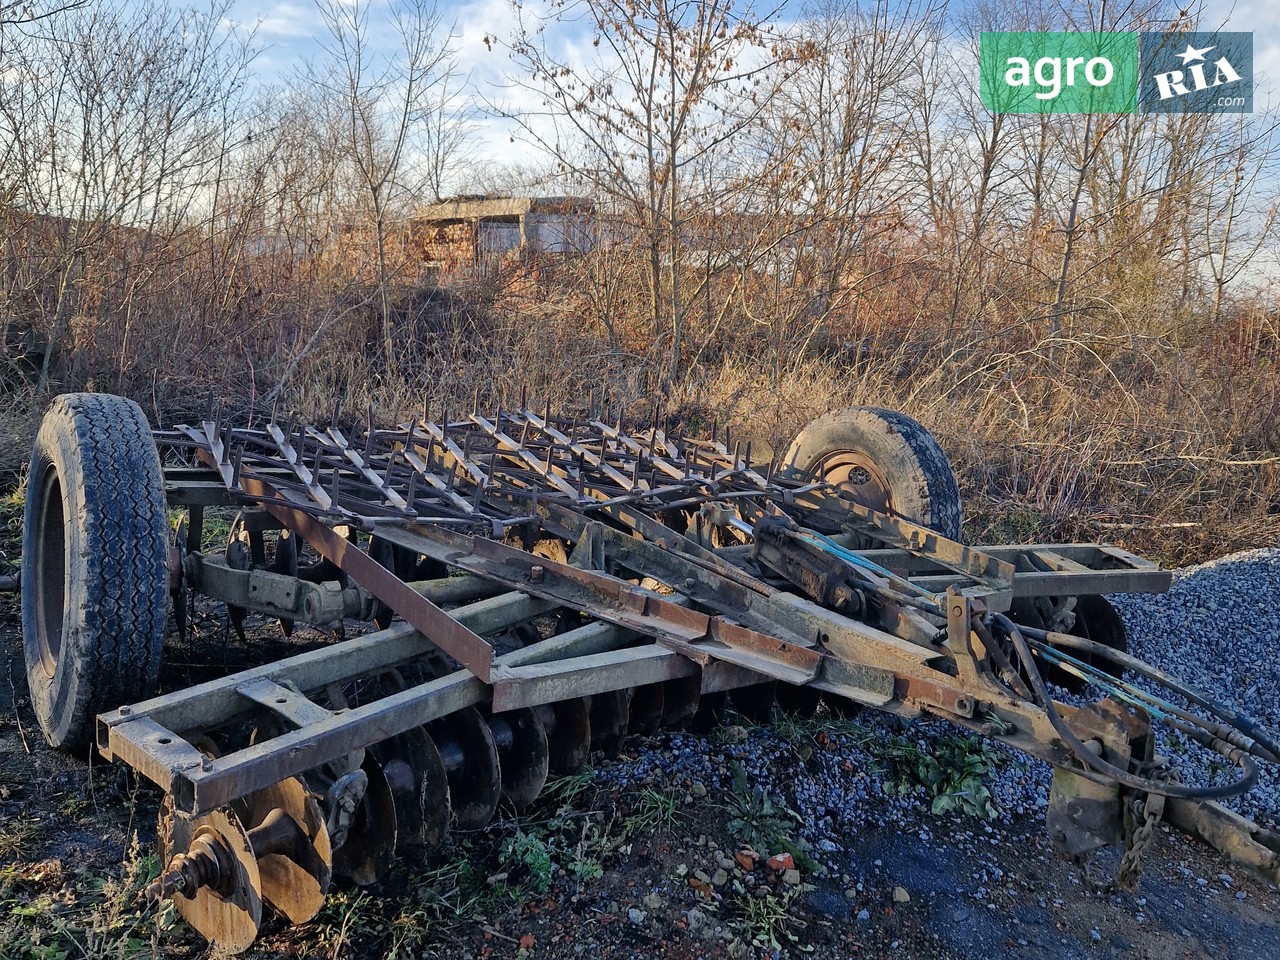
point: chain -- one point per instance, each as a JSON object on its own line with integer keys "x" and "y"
{"x": 1142, "y": 814}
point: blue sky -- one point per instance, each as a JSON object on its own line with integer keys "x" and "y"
{"x": 287, "y": 32}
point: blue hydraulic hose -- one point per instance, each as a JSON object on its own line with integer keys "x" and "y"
{"x": 830, "y": 546}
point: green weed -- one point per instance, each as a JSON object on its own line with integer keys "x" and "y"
{"x": 952, "y": 771}
{"x": 655, "y": 811}
{"x": 527, "y": 859}
{"x": 770, "y": 920}
{"x": 757, "y": 818}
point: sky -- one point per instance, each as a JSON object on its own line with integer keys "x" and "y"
{"x": 287, "y": 32}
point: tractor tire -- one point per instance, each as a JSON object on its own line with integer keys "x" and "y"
{"x": 884, "y": 460}
{"x": 95, "y": 585}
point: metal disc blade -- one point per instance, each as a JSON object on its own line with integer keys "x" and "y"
{"x": 228, "y": 917}
{"x": 755, "y": 702}
{"x": 1097, "y": 620}
{"x": 711, "y": 710}
{"x": 1100, "y": 622}
{"x": 178, "y": 579}
{"x": 415, "y": 772}
{"x": 645, "y": 709}
{"x": 680, "y": 699}
{"x": 294, "y": 880}
{"x": 285, "y": 562}
{"x": 609, "y": 713}
{"x": 801, "y": 701}
{"x": 841, "y": 707}
{"x": 471, "y": 763}
{"x": 371, "y": 841}
{"x": 383, "y": 553}
{"x": 523, "y": 755}
{"x": 568, "y": 726}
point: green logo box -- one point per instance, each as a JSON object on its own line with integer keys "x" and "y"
{"x": 1059, "y": 72}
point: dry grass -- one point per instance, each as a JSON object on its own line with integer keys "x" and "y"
{"x": 1159, "y": 434}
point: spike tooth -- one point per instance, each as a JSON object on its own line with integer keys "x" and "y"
{"x": 524, "y": 397}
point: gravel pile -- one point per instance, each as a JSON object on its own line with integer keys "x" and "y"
{"x": 1218, "y": 630}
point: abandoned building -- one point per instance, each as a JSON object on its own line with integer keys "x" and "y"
{"x": 479, "y": 234}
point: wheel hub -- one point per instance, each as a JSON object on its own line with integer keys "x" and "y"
{"x": 857, "y": 476}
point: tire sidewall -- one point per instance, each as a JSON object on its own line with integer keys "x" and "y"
{"x": 115, "y": 590}
{"x": 921, "y": 483}
{"x": 54, "y": 698}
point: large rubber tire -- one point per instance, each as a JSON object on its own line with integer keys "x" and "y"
{"x": 885, "y": 460}
{"x": 94, "y": 581}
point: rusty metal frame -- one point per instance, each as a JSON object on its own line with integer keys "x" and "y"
{"x": 449, "y": 490}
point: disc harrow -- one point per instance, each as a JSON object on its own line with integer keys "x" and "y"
{"x": 542, "y": 586}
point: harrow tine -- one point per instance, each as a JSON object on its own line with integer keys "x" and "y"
{"x": 411, "y": 495}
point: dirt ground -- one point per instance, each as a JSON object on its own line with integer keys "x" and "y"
{"x": 77, "y": 849}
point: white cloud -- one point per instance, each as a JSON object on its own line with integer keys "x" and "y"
{"x": 1262, "y": 19}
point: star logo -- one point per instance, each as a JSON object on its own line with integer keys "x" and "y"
{"x": 1191, "y": 53}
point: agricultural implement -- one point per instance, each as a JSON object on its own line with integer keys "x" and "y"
{"x": 542, "y": 586}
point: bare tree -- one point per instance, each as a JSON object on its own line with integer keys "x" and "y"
{"x": 392, "y": 100}
{"x": 117, "y": 119}
{"x": 650, "y": 123}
